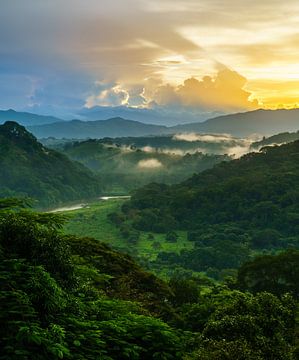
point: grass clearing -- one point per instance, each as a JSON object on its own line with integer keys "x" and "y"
{"x": 92, "y": 221}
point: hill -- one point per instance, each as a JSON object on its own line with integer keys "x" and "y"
{"x": 264, "y": 122}
{"x": 277, "y": 139}
{"x": 184, "y": 143}
{"x": 231, "y": 212}
{"x": 125, "y": 167}
{"x": 115, "y": 127}
{"x": 25, "y": 118}
{"x": 30, "y": 169}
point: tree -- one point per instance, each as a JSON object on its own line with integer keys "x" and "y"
{"x": 184, "y": 290}
{"x": 277, "y": 274}
{"x": 250, "y": 327}
{"x": 171, "y": 236}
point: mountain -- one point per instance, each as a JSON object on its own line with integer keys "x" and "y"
{"x": 115, "y": 127}
{"x": 30, "y": 169}
{"x": 277, "y": 139}
{"x": 25, "y": 118}
{"x": 264, "y": 122}
{"x": 157, "y": 116}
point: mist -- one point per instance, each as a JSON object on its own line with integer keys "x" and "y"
{"x": 150, "y": 164}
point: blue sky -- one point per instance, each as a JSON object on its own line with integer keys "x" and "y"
{"x": 59, "y": 56}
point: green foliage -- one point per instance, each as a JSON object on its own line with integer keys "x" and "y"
{"x": 30, "y": 169}
{"x": 118, "y": 160}
{"x": 96, "y": 221}
{"x": 54, "y": 296}
{"x": 76, "y": 298}
{"x": 264, "y": 335}
{"x": 276, "y": 274}
{"x": 231, "y": 212}
{"x": 171, "y": 236}
{"x": 185, "y": 291}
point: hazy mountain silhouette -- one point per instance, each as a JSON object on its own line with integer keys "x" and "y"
{"x": 116, "y": 127}
{"x": 25, "y": 118}
{"x": 265, "y": 122}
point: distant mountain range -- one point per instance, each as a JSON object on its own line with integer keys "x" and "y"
{"x": 156, "y": 116}
{"x": 263, "y": 122}
{"x": 25, "y": 118}
{"x": 116, "y": 127}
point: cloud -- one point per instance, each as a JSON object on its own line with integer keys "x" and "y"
{"x": 234, "y": 147}
{"x": 224, "y": 92}
{"x": 238, "y": 151}
{"x": 123, "y": 43}
{"x": 192, "y": 137}
{"x": 107, "y": 95}
{"x": 150, "y": 164}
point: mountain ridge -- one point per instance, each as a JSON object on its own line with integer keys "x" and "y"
{"x": 261, "y": 121}
{"x": 113, "y": 127}
{"x": 29, "y": 169}
{"x": 264, "y": 122}
{"x": 26, "y": 118}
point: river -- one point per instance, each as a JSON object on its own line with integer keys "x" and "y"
{"x": 86, "y": 205}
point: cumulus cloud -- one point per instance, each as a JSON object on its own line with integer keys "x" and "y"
{"x": 107, "y": 95}
{"x": 150, "y": 164}
{"x": 222, "y": 92}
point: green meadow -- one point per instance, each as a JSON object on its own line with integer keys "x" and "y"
{"x": 92, "y": 221}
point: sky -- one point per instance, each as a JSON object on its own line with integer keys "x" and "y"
{"x": 59, "y": 56}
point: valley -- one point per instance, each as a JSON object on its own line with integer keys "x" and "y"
{"x": 157, "y": 241}
{"x": 149, "y": 180}
{"x": 93, "y": 221}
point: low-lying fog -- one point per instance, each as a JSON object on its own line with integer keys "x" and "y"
{"x": 182, "y": 143}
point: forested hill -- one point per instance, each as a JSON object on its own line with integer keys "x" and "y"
{"x": 124, "y": 168}
{"x": 262, "y": 188}
{"x": 277, "y": 139}
{"x": 231, "y": 212}
{"x": 30, "y": 169}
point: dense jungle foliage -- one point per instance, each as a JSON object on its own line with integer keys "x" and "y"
{"x": 64, "y": 297}
{"x": 232, "y": 212}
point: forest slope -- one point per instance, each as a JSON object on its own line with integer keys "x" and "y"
{"x": 30, "y": 169}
